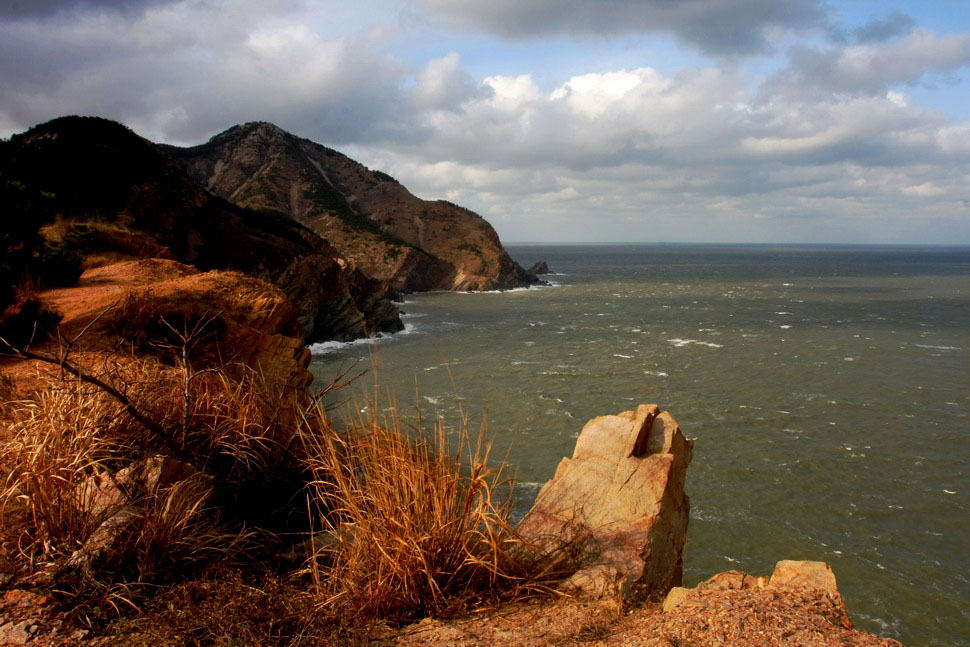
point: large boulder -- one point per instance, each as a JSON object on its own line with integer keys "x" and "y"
{"x": 620, "y": 499}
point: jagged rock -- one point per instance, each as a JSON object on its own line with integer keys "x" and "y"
{"x": 622, "y": 496}
{"x": 539, "y": 268}
{"x": 788, "y": 575}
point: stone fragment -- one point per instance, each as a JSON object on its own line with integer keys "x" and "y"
{"x": 17, "y": 633}
{"x": 789, "y": 575}
{"x": 622, "y": 496}
{"x": 805, "y": 574}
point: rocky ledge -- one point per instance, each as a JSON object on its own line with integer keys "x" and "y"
{"x": 621, "y": 497}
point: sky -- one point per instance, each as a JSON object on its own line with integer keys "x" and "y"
{"x": 733, "y": 121}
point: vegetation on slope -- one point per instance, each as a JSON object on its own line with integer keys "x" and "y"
{"x": 169, "y": 495}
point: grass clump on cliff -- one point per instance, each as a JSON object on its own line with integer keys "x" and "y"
{"x": 412, "y": 525}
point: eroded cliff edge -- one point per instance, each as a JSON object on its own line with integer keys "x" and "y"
{"x": 382, "y": 229}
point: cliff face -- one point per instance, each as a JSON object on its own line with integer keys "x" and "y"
{"x": 376, "y": 224}
{"x": 100, "y": 172}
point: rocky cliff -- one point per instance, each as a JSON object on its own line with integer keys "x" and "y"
{"x": 376, "y": 224}
{"x": 107, "y": 183}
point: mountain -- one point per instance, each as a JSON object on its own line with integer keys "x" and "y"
{"x": 120, "y": 196}
{"x": 376, "y": 224}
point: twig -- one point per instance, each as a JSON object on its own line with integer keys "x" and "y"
{"x": 123, "y": 399}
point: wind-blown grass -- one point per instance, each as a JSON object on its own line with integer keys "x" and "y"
{"x": 394, "y": 523}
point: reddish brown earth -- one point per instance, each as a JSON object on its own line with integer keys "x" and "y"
{"x": 261, "y": 327}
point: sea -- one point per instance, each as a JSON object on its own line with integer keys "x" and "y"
{"x": 827, "y": 389}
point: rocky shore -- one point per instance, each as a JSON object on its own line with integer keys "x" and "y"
{"x": 618, "y": 504}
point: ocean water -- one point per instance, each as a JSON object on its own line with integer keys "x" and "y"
{"x": 827, "y": 388}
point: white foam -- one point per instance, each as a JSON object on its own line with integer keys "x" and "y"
{"x": 678, "y": 342}
{"x": 786, "y": 327}
{"x": 623, "y": 356}
{"x": 937, "y": 347}
{"x": 657, "y": 373}
{"x": 328, "y": 347}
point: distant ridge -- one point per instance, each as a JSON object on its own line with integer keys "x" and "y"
{"x": 107, "y": 182}
{"x": 373, "y": 221}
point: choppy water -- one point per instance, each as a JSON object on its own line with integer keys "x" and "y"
{"x": 828, "y": 389}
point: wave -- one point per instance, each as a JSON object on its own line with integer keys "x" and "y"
{"x": 678, "y": 342}
{"x": 329, "y": 347}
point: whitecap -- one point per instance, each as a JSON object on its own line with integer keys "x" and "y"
{"x": 327, "y": 347}
{"x": 678, "y": 342}
{"x": 784, "y": 327}
{"x": 656, "y": 373}
{"x": 623, "y": 356}
{"x": 937, "y": 347}
{"x": 949, "y": 491}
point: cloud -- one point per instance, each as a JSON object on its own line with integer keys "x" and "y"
{"x": 443, "y": 85}
{"x": 879, "y": 30}
{"x": 180, "y": 73}
{"x": 718, "y": 27}
{"x": 872, "y": 68}
{"x": 45, "y": 8}
{"x": 695, "y": 155}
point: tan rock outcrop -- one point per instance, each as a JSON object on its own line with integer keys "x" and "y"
{"x": 788, "y": 575}
{"x": 621, "y": 496}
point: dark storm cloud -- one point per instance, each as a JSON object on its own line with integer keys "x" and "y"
{"x": 45, "y": 8}
{"x": 719, "y": 27}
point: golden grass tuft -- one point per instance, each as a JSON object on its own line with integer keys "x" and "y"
{"x": 416, "y": 523}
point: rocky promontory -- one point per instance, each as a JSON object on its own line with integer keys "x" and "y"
{"x": 381, "y": 228}
{"x": 116, "y": 196}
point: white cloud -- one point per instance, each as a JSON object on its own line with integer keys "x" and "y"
{"x": 443, "y": 85}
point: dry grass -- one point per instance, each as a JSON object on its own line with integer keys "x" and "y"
{"x": 67, "y": 465}
{"x": 408, "y": 523}
{"x": 415, "y": 524}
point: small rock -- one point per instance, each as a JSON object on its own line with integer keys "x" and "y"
{"x": 16, "y": 633}
{"x": 539, "y": 268}
{"x": 804, "y": 574}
